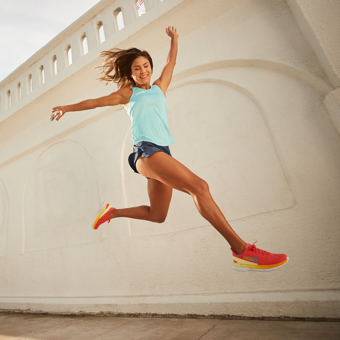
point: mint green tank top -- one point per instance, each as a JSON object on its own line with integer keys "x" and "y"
{"x": 148, "y": 111}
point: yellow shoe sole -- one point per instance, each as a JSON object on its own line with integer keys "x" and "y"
{"x": 244, "y": 267}
{"x": 99, "y": 213}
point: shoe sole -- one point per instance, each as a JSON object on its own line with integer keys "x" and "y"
{"x": 245, "y": 269}
{"x": 100, "y": 211}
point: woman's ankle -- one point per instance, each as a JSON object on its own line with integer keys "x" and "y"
{"x": 112, "y": 213}
{"x": 239, "y": 249}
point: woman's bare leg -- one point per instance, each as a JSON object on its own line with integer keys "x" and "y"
{"x": 174, "y": 174}
{"x": 159, "y": 195}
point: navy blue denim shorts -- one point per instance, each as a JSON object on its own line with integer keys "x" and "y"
{"x": 145, "y": 149}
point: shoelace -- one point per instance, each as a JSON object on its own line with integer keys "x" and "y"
{"x": 256, "y": 250}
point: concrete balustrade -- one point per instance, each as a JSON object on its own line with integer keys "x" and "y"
{"x": 83, "y": 45}
{"x": 108, "y": 20}
{"x": 149, "y": 4}
{"x": 119, "y": 19}
{"x": 18, "y": 92}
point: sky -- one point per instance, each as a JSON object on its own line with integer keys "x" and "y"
{"x": 28, "y": 25}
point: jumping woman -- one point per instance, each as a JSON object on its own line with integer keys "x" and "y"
{"x": 147, "y": 108}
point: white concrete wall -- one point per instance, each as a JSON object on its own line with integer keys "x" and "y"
{"x": 320, "y": 22}
{"x": 253, "y": 111}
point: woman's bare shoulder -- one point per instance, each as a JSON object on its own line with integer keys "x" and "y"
{"x": 159, "y": 84}
{"x": 126, "y": 93}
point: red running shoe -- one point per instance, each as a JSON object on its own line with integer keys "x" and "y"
{"x": 102, "y": 214}
{"x": 254, "y": 258}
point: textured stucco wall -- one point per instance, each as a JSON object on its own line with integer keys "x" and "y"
{"x": 320, "y": 22}
{"x": 247, "y": 110}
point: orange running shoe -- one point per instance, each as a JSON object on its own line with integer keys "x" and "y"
{"x": 257, "y": 259}
{"x": 102, "y": 214}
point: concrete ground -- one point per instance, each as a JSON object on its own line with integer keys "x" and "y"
{"x": 47, "y": 327}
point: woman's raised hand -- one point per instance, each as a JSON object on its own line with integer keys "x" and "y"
{"x": 171, "y": 31}
{"x": 58, "y": 112}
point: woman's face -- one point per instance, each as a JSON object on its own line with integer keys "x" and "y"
{"x": 141, "y": 71}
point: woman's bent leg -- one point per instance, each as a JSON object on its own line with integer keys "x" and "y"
{"x": 159, "y": 195}
{"x": 169, "y": 171}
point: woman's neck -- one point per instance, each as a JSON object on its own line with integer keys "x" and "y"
{"x": 144, "y": 87}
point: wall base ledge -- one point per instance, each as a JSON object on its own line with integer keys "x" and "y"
{"x": 294, "y": 311}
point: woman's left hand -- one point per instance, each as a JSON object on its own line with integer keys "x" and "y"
{"x": 171, "y": 32}
{"x": 58, "y": 112}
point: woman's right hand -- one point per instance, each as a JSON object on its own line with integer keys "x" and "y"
{"x": 171, "y": 32}
{"x": 58, "y": 112}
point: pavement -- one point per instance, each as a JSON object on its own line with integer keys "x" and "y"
{"x": 53, "y": 327}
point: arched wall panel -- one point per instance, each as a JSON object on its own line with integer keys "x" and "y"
{"x": 238, "y": 161}
{"x": 59, "y": 199}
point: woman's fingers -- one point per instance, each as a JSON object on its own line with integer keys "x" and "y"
{"x": 57, "y": 113}
{"x": 171, "y": 31}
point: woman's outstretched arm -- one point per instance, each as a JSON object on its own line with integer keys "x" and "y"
{"x": 164, "y": 80}
{"x": 119, "y": 97}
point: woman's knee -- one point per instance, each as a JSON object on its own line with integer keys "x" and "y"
{"x": 159, "y": 218}
{"x": 201, "y": 187}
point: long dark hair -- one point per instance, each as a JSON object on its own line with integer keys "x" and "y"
{"x": 119, "y": 62}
